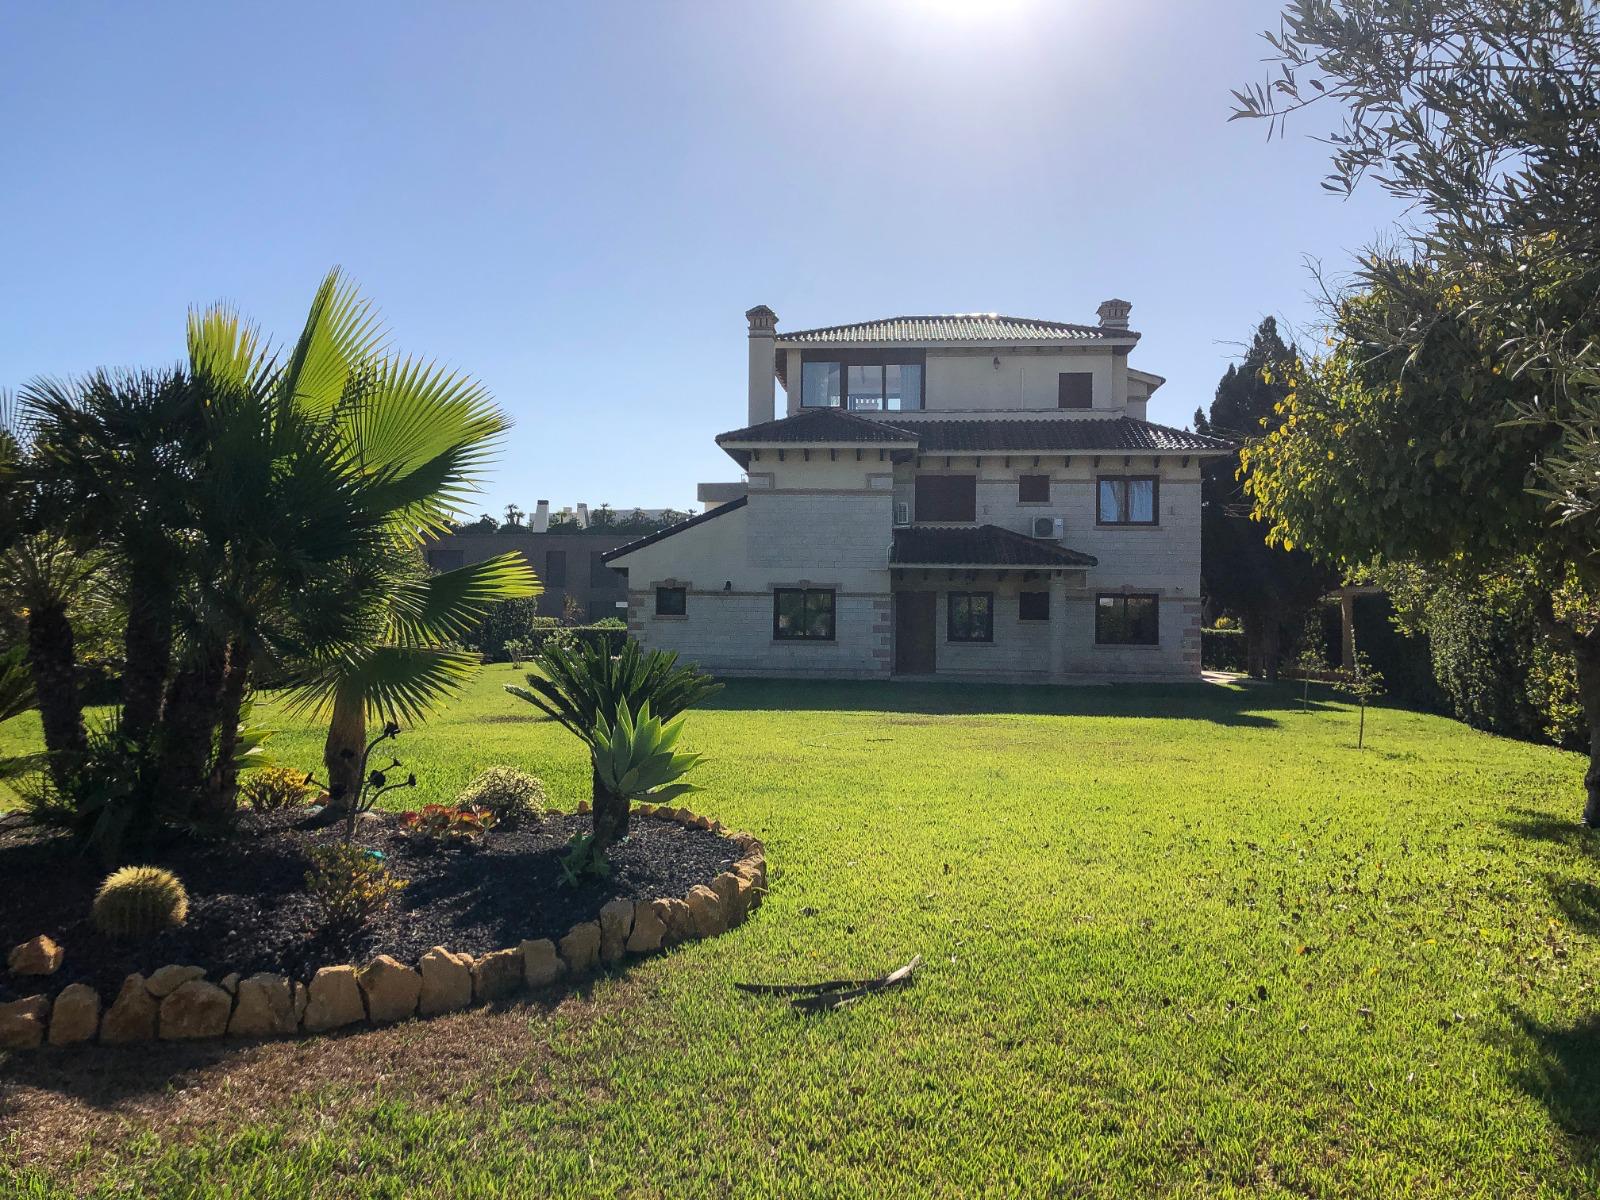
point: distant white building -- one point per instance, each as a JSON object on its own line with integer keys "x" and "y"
{"x": 965, "y": 496}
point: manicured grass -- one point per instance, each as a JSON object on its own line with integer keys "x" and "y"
{"x": 1178, "y": 941}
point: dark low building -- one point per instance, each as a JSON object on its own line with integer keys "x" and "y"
{"x": 568, "y": 564}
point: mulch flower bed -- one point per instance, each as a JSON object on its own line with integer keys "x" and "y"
{"x": 248, "y": 908}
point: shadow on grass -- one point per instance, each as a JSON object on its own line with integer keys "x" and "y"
{"x": 1255, "y": 706}
{"x": 1536, "y": 826}
{"x": 1562, "y": 1071}
{"x": 427, "y": 1052}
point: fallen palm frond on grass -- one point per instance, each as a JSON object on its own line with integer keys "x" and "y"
{"x": 834, "y": 993}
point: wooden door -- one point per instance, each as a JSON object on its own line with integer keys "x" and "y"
{"x": 916, "y": 630}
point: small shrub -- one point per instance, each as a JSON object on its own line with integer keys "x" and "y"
{"x": 516, "y": 650}
{"x": 445, "y": 823}
{"x": 511, "y": 795}
{"x": 1222, "y": 649}
{"x": 349, "y": 884}
{"x": 139, "y": 902}
{"x": 270, "y": 788}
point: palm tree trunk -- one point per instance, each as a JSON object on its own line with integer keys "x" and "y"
{"x": 189, "y": 724}
{"x": 341, "y": 753}
{"x": 611, "y": 814}
{"x": 52, "y": 658}
{"x": 222, "y": 788}
{"x": 147, "y": 653}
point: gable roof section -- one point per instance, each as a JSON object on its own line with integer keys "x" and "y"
{"x": 980, "y": 546}
{"x": 651, "y": 539}
{"x": 955, "y": 327}
{"x": 1109, "y": 434}
{"x": 820, "y": 427}
{"x": 1056, "y": 435}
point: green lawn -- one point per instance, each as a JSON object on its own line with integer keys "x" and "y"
{"x": 1180, "y": 941}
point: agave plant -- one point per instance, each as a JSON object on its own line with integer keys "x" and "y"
{"x": 586, "y": 689}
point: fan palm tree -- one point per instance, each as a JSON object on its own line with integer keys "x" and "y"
{"x": 368, "y": 635}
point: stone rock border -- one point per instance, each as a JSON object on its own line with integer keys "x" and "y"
{"x": 178, "y": 1003}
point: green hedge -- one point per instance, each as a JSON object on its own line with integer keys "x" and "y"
{"x": 1222, "y": 649}
{"x": 1406, "y": 663}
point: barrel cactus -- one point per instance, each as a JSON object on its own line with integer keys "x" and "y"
{"x": 139, "y": 902}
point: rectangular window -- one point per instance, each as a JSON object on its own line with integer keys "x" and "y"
{"x": 947, "y": 498}
{"x": 1127, "y": 500}
{"x": 1075, "y": 389}
{"x": 1033, "y": 606}
{"x": 672, "y": 601}
{"x": 864, "y": 388}
{"x": 861, "y": 382}
{"x": 599, "y": 610}
{"x": 802, "y": 614}
{"x": 555, "y": 568}
{"x": 599, "y": 573}
{"x": 971, "y": 616}
{"x": 1033, "y": 489}
{"x": 1126, "y": 621}
{"x": 819, "y": 386}
{"x": 902, "y": 386}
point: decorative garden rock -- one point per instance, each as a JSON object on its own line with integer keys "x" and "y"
{"x": 265, "y": 1007}
{"x": 581, "y": 947}
{"x": 195, "y": 1009}
{"x": 132, "y": 1015}
{"x": 175, "y": 1002}
{"x": 649, "y": 927}
{"x": 680, "y": 921}
{"x": 705, "y": 908}
{"x": 166, "y": 980}
{"x": 38, "y": 956}
{"x": 333, "y": 1000}
{"x": 446, "y": 982}
{"x": 391, "y": 988}
{"x": 497, "y": 975}
{"x": 75, "y": 1016}
{"x": 541, "y": 965}
{"x": 616, "y": 922}
{"x": 22, "y": 1023}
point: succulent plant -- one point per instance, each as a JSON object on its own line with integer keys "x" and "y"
{"x": 510, "y": 794}
{"x": 139, "y": 902}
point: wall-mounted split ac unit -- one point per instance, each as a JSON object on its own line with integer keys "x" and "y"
{"x": 1050, "y": 528}
{"x": 902, "y": 512}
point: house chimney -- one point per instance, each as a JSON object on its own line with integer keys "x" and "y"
{"x": 583, "y": 516}
{"x": 1113, "y": 314}
{"x": 541, "y": 517}
{"x": 763, "y": 349}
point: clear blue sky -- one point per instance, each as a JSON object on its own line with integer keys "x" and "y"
{"x": 577, "y": 202}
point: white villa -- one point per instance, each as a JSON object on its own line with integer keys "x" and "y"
{"x": 962, "y": 497}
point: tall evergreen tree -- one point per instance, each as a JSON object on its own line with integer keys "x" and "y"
{"x": 1269, "y": 590}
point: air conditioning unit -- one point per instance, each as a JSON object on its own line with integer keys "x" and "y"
{"x": 902, "y": 513}
{"x": 1050, "y": 528}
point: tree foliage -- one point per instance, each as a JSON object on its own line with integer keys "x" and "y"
{"x": 1267, "y": 587}
{"x": 1456, "y": 423}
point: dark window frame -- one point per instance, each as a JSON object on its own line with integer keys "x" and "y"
{"x": 1155, "y": 500}
{"x": 1120, "y": 599}
{"x": 804, "y": 634}
{"x": 845, "y": 359}
{"x": 950, "y": 632}
{"x": 682, "y": 594}
{"x": 1022, "y": 488}
{"x": 555, "y": 578}
{"x": 1062, "y": 389}
{"x": 1022, "y": 614}
{"x": 919, "y": 506}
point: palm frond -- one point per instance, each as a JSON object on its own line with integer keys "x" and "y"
{"x": 440, "y": 608}
{"x": 342, "y": 334}
{"x": 16, "y": 684}
{"x": 225, "y": 347}
{"x": 401, "y": 683}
